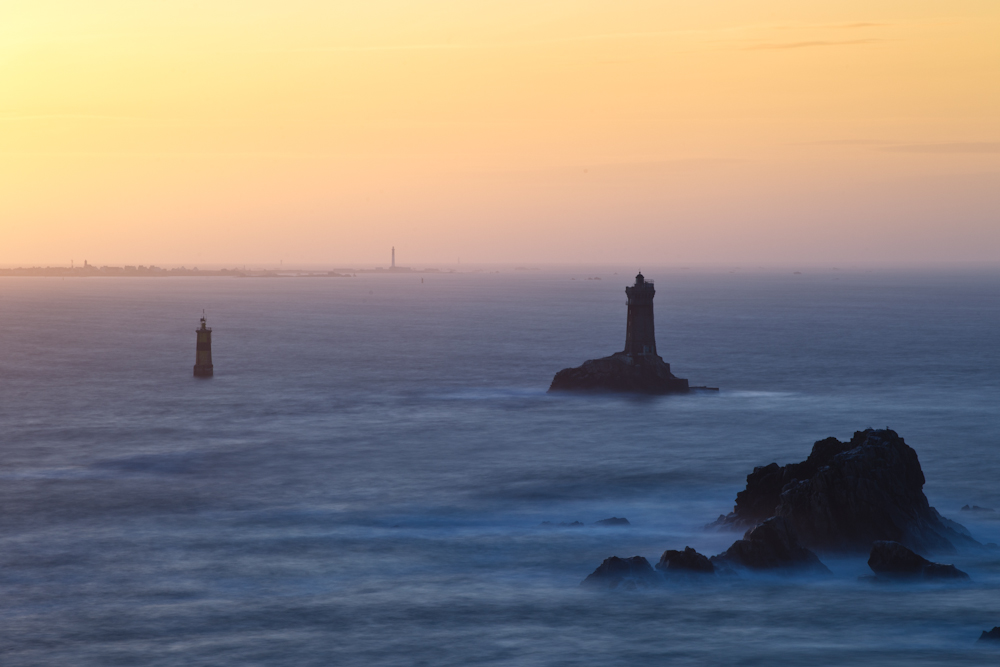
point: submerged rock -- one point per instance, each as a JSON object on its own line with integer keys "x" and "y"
{"x": 613, "y": 521}
{"x": 846, "y": 495}
{"x": 562, "y": 524}
{"x": 894, "y": 561}
{"x": 621, "y": 573}
{"x": 770, "y": 546}
{"x": 977, "y": 508}
{"x": 688, "y": 561}
{"x": 991, "y": 636}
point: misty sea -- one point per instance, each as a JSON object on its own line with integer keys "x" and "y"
{"x": 365, "y": 479}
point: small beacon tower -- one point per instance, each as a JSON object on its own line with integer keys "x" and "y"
{"x": 394, "y": 257}
{"x": 640, "y": 336}
{"x": 203, "y": 351}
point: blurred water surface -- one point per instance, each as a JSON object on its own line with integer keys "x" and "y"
{"x": 364, "y": 480}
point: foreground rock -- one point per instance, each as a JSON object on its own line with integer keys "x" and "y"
{"x": 687, "y": 562}
{"x": 770, "y": 546}
{"x": 891, "y": 560}
{"x": 621, "y": 574}
{"x": 847, "y": 495}
{"x": 991, "y": 636}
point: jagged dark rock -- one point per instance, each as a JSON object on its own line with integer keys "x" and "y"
{"x": 613, "y": 521}
{"x": 621, "y": 573}
{"x": 991, "y": 636}
{"x": 770, "y": 546}
{"x": 847, "y": 495}
{"x": 688, "y": 561}
{"x": 892, "y": 560}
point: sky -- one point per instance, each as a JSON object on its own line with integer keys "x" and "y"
{"x": 656, "y": 132}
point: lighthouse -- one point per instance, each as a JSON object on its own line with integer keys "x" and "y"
{"x": 640, "y": 334}
{"x": 203, "y": 351}
{"x": 637, "y": 368}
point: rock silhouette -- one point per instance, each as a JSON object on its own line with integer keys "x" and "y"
{"x": 622, "y": 574}
{"x": 891, "y": 560}
{"x": 688, "y": 561}
{"x": 613, "y": 521}
{"x": 770, "y": 546}
{"x": 977, "y": 508}
{"x": 847, "y": 495}
{"x": 991, "y": 636}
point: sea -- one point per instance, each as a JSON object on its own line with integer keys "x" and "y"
{"x": 377, "y": 476}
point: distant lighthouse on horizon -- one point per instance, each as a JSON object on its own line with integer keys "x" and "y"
{"x": 392, "y": 266}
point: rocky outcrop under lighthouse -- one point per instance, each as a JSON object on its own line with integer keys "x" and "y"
{"x": 621, "y": 372}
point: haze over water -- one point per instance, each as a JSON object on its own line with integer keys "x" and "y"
{"x": 363, "y": 481}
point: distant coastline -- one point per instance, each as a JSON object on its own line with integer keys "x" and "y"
{"x": 91, "y": 271}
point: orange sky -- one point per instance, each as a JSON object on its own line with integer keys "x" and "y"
{"x": 747, "y": 132}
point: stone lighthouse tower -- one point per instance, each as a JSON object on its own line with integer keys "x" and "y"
{"x": 640, "y": 335}
{"x": 203, "y": 351}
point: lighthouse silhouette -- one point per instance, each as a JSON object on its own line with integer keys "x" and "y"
{"x": 640, "y": 333}
{"x": 203, "y": 351}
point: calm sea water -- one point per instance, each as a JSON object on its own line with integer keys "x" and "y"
{"x": 364, "y": 480}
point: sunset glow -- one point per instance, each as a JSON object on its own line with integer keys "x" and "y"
{"x": 317, "y": 133}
